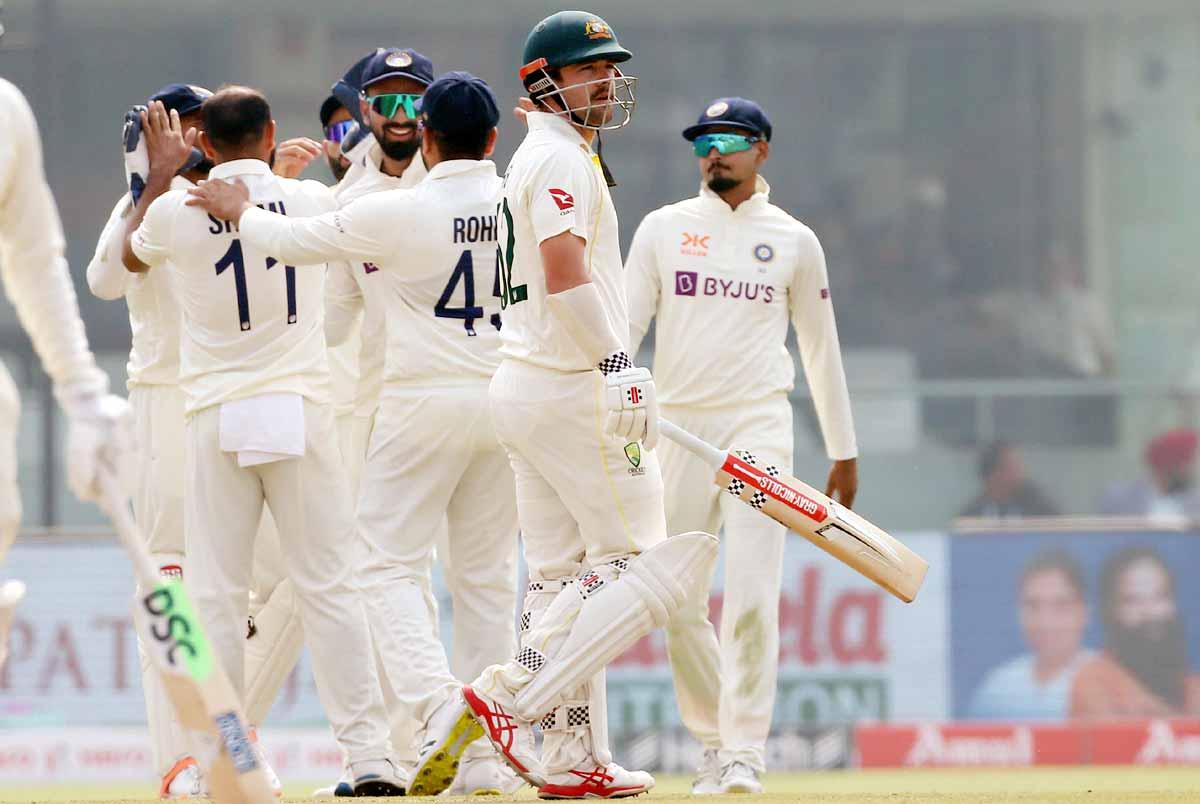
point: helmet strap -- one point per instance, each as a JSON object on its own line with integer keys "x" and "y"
{"x": 608, "y": 176}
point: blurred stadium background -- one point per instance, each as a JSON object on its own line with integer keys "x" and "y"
{"x": 1007, "y": 193}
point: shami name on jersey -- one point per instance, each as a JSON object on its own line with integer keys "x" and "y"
{"x": 219, "y": 226}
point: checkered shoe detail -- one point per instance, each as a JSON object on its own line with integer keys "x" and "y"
{"x": 531, "y": 659}
{"x": 736, "y": 487}
{"x": 617, "y": 361}
{"x": 758, "y": 500}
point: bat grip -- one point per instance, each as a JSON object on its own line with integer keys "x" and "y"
{"x": 694, "y": 444}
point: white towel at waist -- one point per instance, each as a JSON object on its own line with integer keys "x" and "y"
{"x": 262, "y": 429}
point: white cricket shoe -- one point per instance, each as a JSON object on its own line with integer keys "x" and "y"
{"x": 507, "y": 734}
{"x": 484, "y": 776}
{"x": 597, "y": 781}
{"x": 261, "y": 756}
{"x": 377, "y": 777}
{"x": 708, "y": 775}
{"x": 183, "y": 780}
{"x": 342, "y": 788}
{"x": 738, "y": 777}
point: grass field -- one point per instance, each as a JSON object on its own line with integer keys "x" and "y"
{"x": 1050, "y": 785}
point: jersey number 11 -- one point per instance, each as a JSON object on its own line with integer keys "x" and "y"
{"x": 233, "y": 258}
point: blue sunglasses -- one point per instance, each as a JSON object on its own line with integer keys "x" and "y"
{"x": 337, "y": 131}
{"x": 724, "y": 143}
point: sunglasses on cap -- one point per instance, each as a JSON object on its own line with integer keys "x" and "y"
{"x": 724, "y": 143}
{"x": 388, "y": 105}
{"x": 336, "y": 132}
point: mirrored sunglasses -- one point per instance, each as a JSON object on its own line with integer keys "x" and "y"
{"x": 336, "y": 132}
{"x": 724, "y": 143}
{"x": 388, "y": 105}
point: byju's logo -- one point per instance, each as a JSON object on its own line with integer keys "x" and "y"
{"x": 686, "y": 282}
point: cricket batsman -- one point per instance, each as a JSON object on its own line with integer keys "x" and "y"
{"x": 724, "y": 272}
{"x": 579, "y": 421}
{"x": 38, "y": 283}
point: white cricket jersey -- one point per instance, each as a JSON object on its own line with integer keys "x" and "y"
{"x": 252, "y": 323}
{"x": 356, "y": 284}
{"x": 553, "y": 185}
{"x": 36, "y": 277}
{"x": 723, "y": 284}
{"x": 435, "y": 245}
{"x": 154, "y": 314}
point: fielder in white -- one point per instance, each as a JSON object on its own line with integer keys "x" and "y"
{"x": 38, "y": 283}
{"x": 579, "y": 423}
{"x": 157, "y": 404}
{"x": 433, "y": 453}
{"x": 723, "y": 273}
{"x": 260, "y": 425}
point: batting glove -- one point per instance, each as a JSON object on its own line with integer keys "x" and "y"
{"x": 631, "y": 401}
{"x": 99, "y": 444}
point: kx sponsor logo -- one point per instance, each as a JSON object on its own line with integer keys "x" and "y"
{"x": 690, "y": 283}
{"x": 694, "y": 245}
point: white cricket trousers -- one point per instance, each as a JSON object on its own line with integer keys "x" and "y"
{"x": 433, "y": 456}
{"x": 581, "y": 500}
{"x": 310, "y": 503}
{"x": 726, "y": 690}
{"x": 159, "y": 482}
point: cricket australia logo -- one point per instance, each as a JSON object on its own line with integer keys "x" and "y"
{"x": 633, "y": 454}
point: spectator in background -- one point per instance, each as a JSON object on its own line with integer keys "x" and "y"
{"x": 1169, "y": 492}
{"x": 1062, "y": 324}
{"x": 1007, "y": 493}
{"x": 1144, "y": 670}
{"x": 1053, "y": 613}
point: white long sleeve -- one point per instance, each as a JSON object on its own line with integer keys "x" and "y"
{"x": 642, "y": 284}
{"x": 343, "y": 303}
{"x": 107, "y": 277}
{"x": 35, "y": 273}
{"x": 820, "y": 352}
{"x": 364, "y": 229}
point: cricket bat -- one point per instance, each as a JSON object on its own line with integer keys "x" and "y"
{"x": 199, "y": 690}
{"x": 833, "y": 527}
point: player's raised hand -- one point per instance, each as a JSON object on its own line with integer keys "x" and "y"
{"x": 168, "y": 146}
{"x": 226, "y": 200}
{"x": 294, "y": 155}
{"x": 842, "y": 484}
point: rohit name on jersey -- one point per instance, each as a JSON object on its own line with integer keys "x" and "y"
{"x": 475, "y": 229}
{"x": 218, "y": 226}
{"x": 692, "y": 283}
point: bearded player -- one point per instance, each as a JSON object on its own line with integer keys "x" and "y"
{"x": 723, "y": 271}
{"x": 578, "y": 421}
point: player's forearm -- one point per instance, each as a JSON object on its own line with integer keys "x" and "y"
{"x": 156, "y": 185}
{"x": 107, "y": 277}
{"x": 304, "y": 241}
{"x": 38, "y": 283}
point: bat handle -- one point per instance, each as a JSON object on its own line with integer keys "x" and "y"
{"x": 115, "y": 503}
{"x": 694, "y": 444}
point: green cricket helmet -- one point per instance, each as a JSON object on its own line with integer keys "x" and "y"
{"x": 577, "y": 37}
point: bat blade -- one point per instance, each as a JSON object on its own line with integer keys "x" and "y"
{"x": 197, "y": 687}
{"x": 837, "y": 530}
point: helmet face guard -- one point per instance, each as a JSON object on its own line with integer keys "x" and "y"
{"x": 617, "y": 110}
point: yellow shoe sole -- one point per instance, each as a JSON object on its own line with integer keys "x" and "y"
{"x": 438, "y": 770}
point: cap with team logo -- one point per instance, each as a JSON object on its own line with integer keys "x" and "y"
{"x": 457, "y": 102}
{"x": 734, "y": 112}
{"x": 182, "y": 98}
{"x": 394, "y": 62}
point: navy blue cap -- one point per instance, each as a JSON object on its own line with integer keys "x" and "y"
{"x": 182, "y": 98}
{"x": 328, "y": 108}
{"x": 394, "y": 62}
{"x": 735, "y": 112}
{"x": 459, "y": 102}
